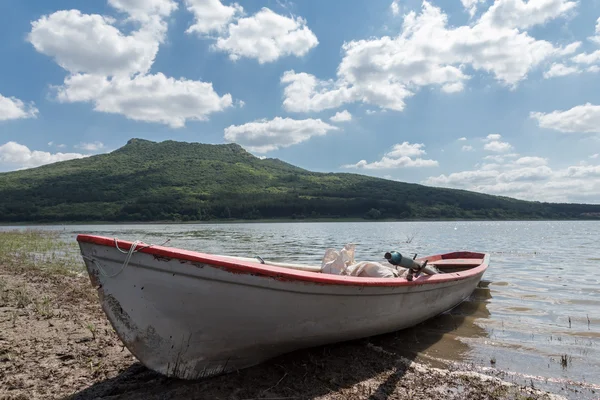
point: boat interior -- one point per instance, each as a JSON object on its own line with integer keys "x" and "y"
{"x": 443, "y": 263}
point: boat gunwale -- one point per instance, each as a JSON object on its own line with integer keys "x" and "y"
{"x": 287, "y": 274}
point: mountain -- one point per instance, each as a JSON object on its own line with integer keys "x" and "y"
{"x": 178, "y": 181}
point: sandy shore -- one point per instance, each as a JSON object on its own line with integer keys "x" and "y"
{"x": 55, "y": 343}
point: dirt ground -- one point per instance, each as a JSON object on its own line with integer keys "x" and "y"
{"x": 55, "y": 343}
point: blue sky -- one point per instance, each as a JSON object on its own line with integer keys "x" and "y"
{"x": 498, "y": 97}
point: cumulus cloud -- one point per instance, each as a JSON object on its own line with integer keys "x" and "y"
{"x": 387, "y": 71}
{"x": 305, "y": 93}
{"x": 267, "y": 135}
{"x": 596, "y": 38}
{"x": 587, "y": 58}
{"x": 494, "y": 144}
{"x": 558, "y": 69}
{"x": 531, "y": 161}
{"x": 342, "y": 116}
{"x": 149, "y": 98}
{"x": 471, "y": 6}
{"x": 402, "y": 155}
{"x": 580, "y": 63}
{"x": 110, "y": 69}
{"x": 20, "y": 156}
{"x": 525, "y": 14}
{"x": 13, "y": 108}
{"x": 211, "y": 15}
{"x": 143, "y": 10}
{"x": 497, "y": 146}
{"x": 92, "y": 44}
{"x": 462, "y": 139}
{"x": 527, "y": 178}
{"x": 583, "y": 118}
{"x": 265, "y": 36}
{"x": 93, "y": 146}
{"x": 394, "y": 7}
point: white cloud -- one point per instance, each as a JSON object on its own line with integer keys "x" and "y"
{"x": 19, "y": 156}
{"x": 406, "y": 149}
{"x": 94, "y": 146}
{"x": 584, "y": 171}
{"x": 558, "y": 69}
{"x": 521, "y": 14}
{"x": 150, "y": 98}
{"x": 583, "y": 118}
{"x": 527, "y": 178}
{"x": 467, "y": 148}
{"x": 494, "y": 144}
{"x": 454, "y": 87}
{"x": 400, "y": 156}
{"x": 531, "y": 161}
{"x": 395, "y": 7}
{"x": 500, "y": 158}
{"x": 342, "y": 116}
{"x": 143, "y": 10}
{"x": 596, "y": 38}
{"x": 266, "y": 135}
{"x": 13, "y": 108}
{"x": 211, "y": 15}
{"x": 580, "y": 61}
{"x": 462, "y": 139}
{"x": 91, "y": 44}
{"x": 471, "y": 6}
{"x": 304, "y": 93}
{"x": 595, "y": 155}
{"x": 267, "y": 36}
{"x": 593, "y": 68}
{"x": 110, "y": 69}
{"x": 386, "y": 71}
{"x": 497, "y": 146}
{"x": 585, "y": 58}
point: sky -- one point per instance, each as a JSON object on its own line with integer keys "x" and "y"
{"x": 499, "y": 97}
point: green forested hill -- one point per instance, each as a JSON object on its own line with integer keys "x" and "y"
{"x": 148, "y": 181}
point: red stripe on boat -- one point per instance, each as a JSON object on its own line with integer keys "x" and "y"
{"x": 287, "y": 274}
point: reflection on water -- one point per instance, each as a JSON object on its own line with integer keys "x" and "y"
{"x": 540, "y": 299}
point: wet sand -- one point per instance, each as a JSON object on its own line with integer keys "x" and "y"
{"x": 55, "y": 343}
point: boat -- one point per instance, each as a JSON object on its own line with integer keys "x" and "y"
{"x": 191, "y": 315}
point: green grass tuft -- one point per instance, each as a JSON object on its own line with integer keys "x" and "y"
{"x": 39, "y": 251}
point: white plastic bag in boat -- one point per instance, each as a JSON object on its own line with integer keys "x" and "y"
{"x": 335, "y": 262}
{"x": 342, "y": 263}
{"x": 371, "y": 269}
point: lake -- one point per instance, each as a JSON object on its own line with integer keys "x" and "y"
{"x": 535, "y": 319}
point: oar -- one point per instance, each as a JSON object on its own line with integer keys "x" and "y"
{"x": 302, "y": 267}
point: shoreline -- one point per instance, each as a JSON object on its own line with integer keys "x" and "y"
{"x": 284, "y": 220}
{"x": 55, "y": 342}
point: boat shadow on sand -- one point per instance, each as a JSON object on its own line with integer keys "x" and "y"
{"x": 319, "y": 371}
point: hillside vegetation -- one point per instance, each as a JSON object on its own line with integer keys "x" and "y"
{"x": 177, "y": 181}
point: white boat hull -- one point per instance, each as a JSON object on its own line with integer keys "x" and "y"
{"x": 189, "y": 319}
